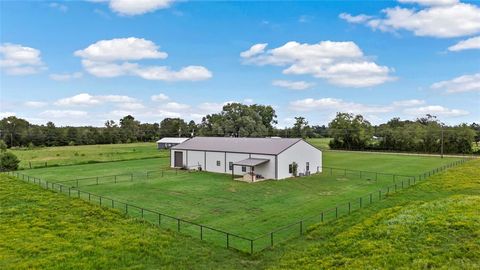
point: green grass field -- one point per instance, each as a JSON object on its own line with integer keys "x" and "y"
{"x": 435, "y": 224}
{"x": 67, "y": 155}
{"x": 320, "y": 143}
{"x": 250, "y": 210}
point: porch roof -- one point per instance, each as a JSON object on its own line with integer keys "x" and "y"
{"x": 251, "y": 162}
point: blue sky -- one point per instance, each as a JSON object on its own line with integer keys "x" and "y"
{"x": 82, "y": 63}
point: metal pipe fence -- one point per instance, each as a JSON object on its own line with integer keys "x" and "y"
{"x": 228, "y": 239}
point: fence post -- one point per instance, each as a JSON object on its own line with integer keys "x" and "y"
{"x": 69, "y": 191}
{"x": 360, "y": 202}
{"x": 349, "y": 208}
{"x": 159, "y": 219}
{"x": 370, "y": 198}
{"x": 301, "y": 227}
{"x": 178, "y": 224}
{"x": 336, "y": 211}
{"x": 113, "y": 204}
{"x": 97, "y": 180}
{"x": 201, "y": 232}
{"x": 271, "y": 239}
{"x": 142, "y": 212}
{"x": 228, "y": 241}
{"x": 402, "y": 184}
{"x": 77, "y": 182}
{"x": 126, "y": 208}
{"x": 321, "y": 217}
{"x": 100, "y": 200}
{"x": 376, "y": 176}
{"x": 251, "y": 246}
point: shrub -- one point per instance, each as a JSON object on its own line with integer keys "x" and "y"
{"x": 8, "y": 162}
{"x": 3, "y": 146}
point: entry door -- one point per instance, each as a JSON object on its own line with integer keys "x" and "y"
{"x": 178, "y": 161}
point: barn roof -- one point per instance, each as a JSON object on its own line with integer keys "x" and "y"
{"x": 268, "y": 146}
{"x": 172, "y": 140}
{"x": 252, "y": 162}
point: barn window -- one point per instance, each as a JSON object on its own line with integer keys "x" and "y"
{"x": 290, "y": 168}
{"x": 218, "y": 162}
{"x": 308, "y": 166}
{"x": 230, "y": 165}
{"x": 244, "y": 168}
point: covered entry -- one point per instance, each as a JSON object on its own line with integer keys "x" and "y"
{"x": 248, "y": 169}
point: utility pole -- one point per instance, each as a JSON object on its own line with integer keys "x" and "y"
{"x": 441, "y": 148}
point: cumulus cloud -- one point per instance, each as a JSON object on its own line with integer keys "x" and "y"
{"x": 138, "y": 7}
{"x": 361, "y": 18}
{"x": 112, "y": 58}
{"x": 408, "y": 102}
{"x": 85, "y": 99}
{"x": 339, "y": 63}
{"x": 6, "y": 114}
{"x": 63, "y": 114}
{"x": 66, "y": 76}
{"x": 20, "y": 60}
{"x": 254, "y": 50}
{"x": 294, "y": 85}
{"x": 334, "y": 104}
{"x": 442, "y": 19}
{"x": 35, "y": 104}
{"x": 465, "y": 83}
{"x": 174, "y": 106}
{"x": 159, "y": 97}
{"x": 436, "y": 110}
{"x": 468, "y": 44}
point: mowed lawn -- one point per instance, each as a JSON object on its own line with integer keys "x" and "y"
{"x": 67, "y": 155}
{"x": 250, "y": 210}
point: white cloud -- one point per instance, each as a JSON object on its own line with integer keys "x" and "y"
{"x": 58, "y": 6}
{"x": 63, "y": 114}
{"x": 468, "y": 44}
{"x": 20, "y": 60}
{"x": 254, "y": 50}
{"x": 138, "y": 7}
{"x": 442, "y": 19}
{"x": 340, "y": 63}
{"x": 110, "y": 58}
{"x": 248, "y": 101}
{"x": 174, "y": 106}
{"x": 333, "y": 104}
{"x": 408, "y": 103}
{"x": 294, "y": 85}
{"x": 66, "y": 76}
{"x": 131, "y": 106}
{"x": 361, "y": 18}
{"x": 465, "y": 83}
{"x": 35, "y": 104}
{"x": 436, "y": 110}
{"x": 85, "y": 99}
{"x": 430, "y": 2}
{"x": 159, "y": 97}
{"x": 6, "y": 114}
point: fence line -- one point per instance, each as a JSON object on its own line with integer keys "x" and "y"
{"x": 232, "y": 240}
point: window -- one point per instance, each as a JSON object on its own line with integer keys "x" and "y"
{"x": 218, "y": 162}
{"x": 290, "y": 168}
{"x": 308, "y": 166}
{"x": 244, "y": 168}
{"x": 230, "y": 165}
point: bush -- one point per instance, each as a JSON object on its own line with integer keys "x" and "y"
{"x": 8, "y": 162}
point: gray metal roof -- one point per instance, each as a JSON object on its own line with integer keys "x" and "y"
{"x": 172, "y": 140}
{"x": 268, "y": 146}
{"x": 251, "y": 162}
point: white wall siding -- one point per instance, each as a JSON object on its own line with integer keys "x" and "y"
{"x": 195, "y": 159}
{"x": 212, "y": 158}
{"x": 234, "y": 157}
{"x": 172, "y": 157}
{"x": 301, "y": 153}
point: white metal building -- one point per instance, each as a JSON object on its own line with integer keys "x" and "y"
{"x": 253, "y": 158}
{"x": 167, "y": 142}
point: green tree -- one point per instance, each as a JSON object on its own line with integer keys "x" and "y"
{"x": 8, "y": 162}
{"x": 350, "y": 131}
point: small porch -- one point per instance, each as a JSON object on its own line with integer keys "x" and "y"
{"x": 248, "y": 169}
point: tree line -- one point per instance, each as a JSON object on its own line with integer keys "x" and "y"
{"x": 352, "y": 132}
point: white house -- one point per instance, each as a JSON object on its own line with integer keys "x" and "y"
{"x": 167, "y": 142}
{"x": 253, "y": 158}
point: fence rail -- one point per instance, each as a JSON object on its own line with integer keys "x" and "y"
{"x": 233, "y": 240}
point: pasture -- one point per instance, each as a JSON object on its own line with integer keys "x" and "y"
{"x": 249, "y": 210}
{"x": 68, "y": 155}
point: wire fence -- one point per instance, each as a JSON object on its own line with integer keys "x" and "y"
{"x": 221, "y": 237}
{"x": 57, "y": 163}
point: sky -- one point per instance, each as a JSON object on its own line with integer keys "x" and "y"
{"x": 85, "y": 62}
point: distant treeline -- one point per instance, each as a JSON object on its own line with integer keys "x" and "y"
{"x": 348, "y": 131}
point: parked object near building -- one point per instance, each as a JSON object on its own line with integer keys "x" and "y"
{"x": 167, "y": 142}
{"x": 248, "y": 159}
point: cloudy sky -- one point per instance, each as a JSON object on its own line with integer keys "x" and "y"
{"x": 82, "y": 63}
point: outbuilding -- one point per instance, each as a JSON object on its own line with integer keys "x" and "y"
{"x": 253, "y": 159}
{"x": 167, "y": 142}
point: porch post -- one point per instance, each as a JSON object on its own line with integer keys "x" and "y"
{"x": 233, "y": 169}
